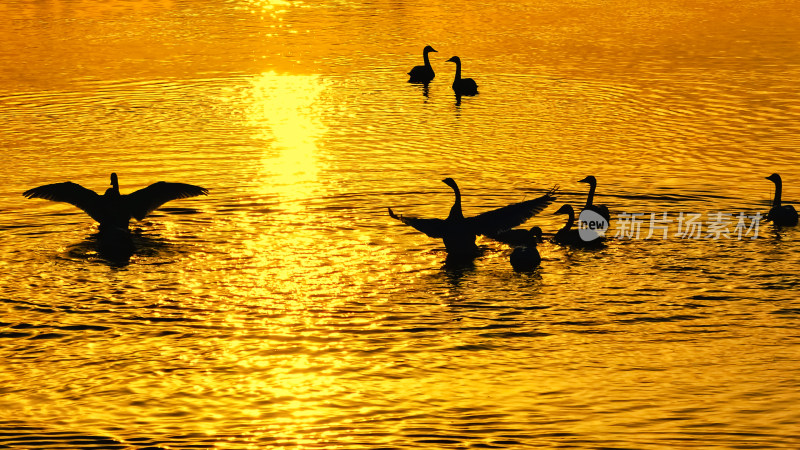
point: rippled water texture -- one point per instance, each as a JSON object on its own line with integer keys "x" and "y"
{"x": 287, "y": 309}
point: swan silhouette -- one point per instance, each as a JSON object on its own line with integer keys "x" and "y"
{"x": 525, "y": 256}
{"x": 780, "y": 215}
{"x": 424, "y": 73}
{"x": 113, "y": 210}
{"x": 599, "y": 209}
{"x": 570, "y": 236}
{"x": 459, "y": 232}
{"x": 462, "y": 86}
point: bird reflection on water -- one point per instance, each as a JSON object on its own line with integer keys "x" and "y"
{"x": 118, "y": 250}
{"x": 424, "y": 88}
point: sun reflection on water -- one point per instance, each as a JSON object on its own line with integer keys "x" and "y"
{"x": 286, "y": 253}
{"x": 300, "y": 265}
{"x": 290, "y": 310}
{"x": 281, "y": 113}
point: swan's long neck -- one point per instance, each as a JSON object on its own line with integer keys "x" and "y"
{"x": 114, "y": 190}
{"x": 455, "y": 210}
{"x": 570, "y": 220}
{"x": 776, "y": 202}
{"x": 425, "y": 58}
{"x": 458, "y": 70}
{"x": 592, "y": 187}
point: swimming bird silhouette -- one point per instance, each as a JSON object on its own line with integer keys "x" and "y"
{"x": 459, "y": 232}
{"x": 424, "y": 73}
{"x": 462, "y": 86}
{"x": 599, "y": 209}
{"x": 112, "y": 209}
{"x": 525, "y": 256}
{"x": 571, "y": 236}
{"x": 781, "y": 215}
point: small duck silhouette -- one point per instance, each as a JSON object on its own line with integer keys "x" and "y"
{"x": 525, "y": 256}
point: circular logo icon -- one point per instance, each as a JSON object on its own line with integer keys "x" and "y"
{"x": 591, "y": 225}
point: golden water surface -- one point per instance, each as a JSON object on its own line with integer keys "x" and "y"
{"x": 287, "y": 309}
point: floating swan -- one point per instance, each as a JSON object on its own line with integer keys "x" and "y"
{"x": 424, "y": 73}
{"x": 525, "y": 256}
{"x": 571, "y": 236}
{"x": 459, "y": 232}
{"x": 599, "y": 209}
{"x": 462, "y": 86}
{"x": 113, "y": 210}
{"x": 781, "y": 215}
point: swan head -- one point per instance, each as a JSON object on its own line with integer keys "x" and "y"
{"x": 450, "y": 182}
{"x": 775, "y": 178}
{"x": 113, "y": 191}
{"x": 428, "y": 49}
{"x": 454, "y": 59}
{"x": 590, "y": 179}
{"x": 565, "y": 209}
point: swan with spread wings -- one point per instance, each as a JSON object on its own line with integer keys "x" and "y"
{"x": 459, "y": 232}
{"x": 113, "y": 210}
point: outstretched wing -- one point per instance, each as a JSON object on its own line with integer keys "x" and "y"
{"x": 72, "y": 193}
{"x": 502, "y": 219}
{"x": 146, "y": 200}
{"x": 435, "y": 228}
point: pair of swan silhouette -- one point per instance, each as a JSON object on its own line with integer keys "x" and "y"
{"x": 459, "y": 233}
{"x": 425, "y": 74}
